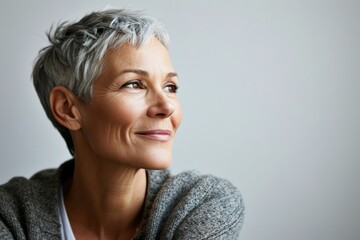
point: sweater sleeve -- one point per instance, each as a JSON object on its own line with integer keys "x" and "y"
{"x": 218, "y": 214}
{"x": 192, "y": 206}
{"x": 4, "y": 232}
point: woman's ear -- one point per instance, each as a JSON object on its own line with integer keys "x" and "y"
{"x": 64, "y": 108}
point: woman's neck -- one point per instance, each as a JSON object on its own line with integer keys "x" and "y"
{"x": 105, "y": 200}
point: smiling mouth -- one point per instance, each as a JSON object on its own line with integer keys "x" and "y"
{"x": 158, "y": 135}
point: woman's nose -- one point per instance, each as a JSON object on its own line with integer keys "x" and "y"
{"x": 161, "y": 106}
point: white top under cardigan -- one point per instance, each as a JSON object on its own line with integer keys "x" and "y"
{"x": 66, "y": 231}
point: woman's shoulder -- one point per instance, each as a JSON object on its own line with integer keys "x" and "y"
{"x": 27, "y": 203}
{"x": 18, "y": 187}
{"x": 193, "y": 182}
{"x": 193, "y": 205}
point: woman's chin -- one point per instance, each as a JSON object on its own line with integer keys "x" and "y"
{"x": 155, "y": 159}
{"x": 159, "y": 163}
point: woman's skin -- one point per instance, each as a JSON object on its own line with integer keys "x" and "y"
{"x": 128, "y": 125}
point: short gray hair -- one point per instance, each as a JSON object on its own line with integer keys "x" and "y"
{"x": 75, "y": 55}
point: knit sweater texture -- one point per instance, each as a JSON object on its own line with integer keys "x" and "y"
{"x": 184, "y": 206}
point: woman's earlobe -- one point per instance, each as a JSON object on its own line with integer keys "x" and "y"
{"x": 64, "y": 109}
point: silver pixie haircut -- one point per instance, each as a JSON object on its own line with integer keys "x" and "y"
{"x": 74, "y": 57}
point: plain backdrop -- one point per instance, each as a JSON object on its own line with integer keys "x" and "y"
{"x": 270, "y": 93}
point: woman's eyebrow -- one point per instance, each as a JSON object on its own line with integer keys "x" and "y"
{"x": 172, "y": 74}
{"x": 137, "y": 71}
{"x": 145, "y": 73}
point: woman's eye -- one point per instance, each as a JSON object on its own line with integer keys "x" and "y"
{"x": 134, "y": 85}
{"x": 171, "y": 88}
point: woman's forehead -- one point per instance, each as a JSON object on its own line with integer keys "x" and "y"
{"x": 150, "y": 56}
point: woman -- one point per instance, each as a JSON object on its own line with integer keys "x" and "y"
{"x": 107, "y": 84}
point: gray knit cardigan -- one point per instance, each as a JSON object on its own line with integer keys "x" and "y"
{"x": 185, "y": 206}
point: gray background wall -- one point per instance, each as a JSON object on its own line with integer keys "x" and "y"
{"x": 270, "y": 93}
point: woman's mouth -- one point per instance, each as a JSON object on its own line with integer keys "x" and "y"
{"x": 158, "y": 135}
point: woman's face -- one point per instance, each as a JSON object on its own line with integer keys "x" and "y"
{"x": 134, "y": 111}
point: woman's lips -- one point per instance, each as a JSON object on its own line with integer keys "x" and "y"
{"x": 158, "y": 135}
